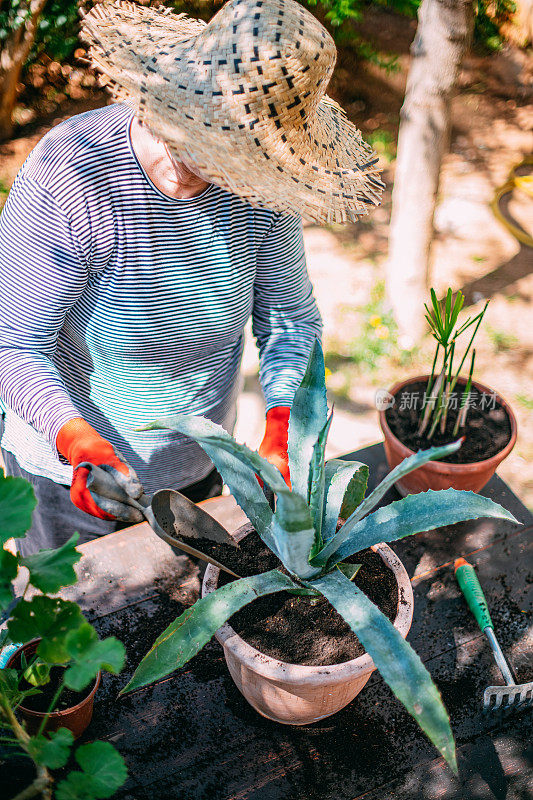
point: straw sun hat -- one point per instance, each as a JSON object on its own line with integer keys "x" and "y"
{"x": 243, "y": 100}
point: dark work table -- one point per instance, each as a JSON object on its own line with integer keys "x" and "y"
{"x": 192, "y": 736}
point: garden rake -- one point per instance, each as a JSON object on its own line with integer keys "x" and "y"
{"x": 511, "y": 696}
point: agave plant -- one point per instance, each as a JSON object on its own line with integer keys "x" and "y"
{"x": 302, "y": 533}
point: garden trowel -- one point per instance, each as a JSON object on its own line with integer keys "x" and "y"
{"x": 170, "y": 514}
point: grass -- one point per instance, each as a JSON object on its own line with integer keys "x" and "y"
{"x": 383, "y": 143}
{"x": 525, "y": 401}
{"x": 501, "y": 340}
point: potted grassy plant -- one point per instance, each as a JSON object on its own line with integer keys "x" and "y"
{"x": 316, "y": 562}
{"x": 435, "y": 409}
{"x": 57, "y": 656}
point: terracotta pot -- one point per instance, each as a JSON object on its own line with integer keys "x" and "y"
{"x": 76, "y": 718}
{"x": 439, "y": 474}
{"x": 294, "y": 694}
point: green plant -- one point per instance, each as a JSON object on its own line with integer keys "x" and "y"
{"x": 301, "y": 532}
{"x": 376, "y": 334}
{"x": 442, "y": 320}
{"x": 66, "y": 640}
{"x": 501, "y": 340}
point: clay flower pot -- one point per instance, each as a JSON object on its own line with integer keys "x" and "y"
{"x": 439, "y": 474}
{"x": 76, "y": 718}
{"x": 295, "y": 694}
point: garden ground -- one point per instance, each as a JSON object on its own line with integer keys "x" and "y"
{"x": 492, "y": 131}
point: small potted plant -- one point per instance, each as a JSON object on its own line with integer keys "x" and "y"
{"x": 313, "y": 559}
{"x": 435, "y": 409}
{"x": 48, "y": 682}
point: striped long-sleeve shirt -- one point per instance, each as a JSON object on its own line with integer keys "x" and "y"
{"x": 120, "y": 304}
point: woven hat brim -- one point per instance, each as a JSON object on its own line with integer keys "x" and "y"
{"x": 325, "y": 172}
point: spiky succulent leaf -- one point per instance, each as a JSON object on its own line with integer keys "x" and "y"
{"x": 406, "y": 466}
{"x": 294, "y": 534}
{"x": 309, "y": 413}
{"x": 414, "y": 514}
{"x": 317, "y": 481}
{"x": 345, "y": 486}
{"x": 230, "y": 462}
{"x": 194, "y": 628}
{"x": 395, "y": 659}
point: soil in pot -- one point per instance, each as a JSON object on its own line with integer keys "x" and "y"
{"x": 41, "y": 702}
{"x": 294, "y": 630}
{"x": 487, "y": 431}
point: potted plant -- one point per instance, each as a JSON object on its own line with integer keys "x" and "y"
{"x": 315, "y": 563}
{"x": 56, "y": 656}
{"x": 435, "y": 409}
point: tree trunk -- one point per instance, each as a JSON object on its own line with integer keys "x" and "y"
{"x": 443, "y": 35}
{"x": 13, "y": 55}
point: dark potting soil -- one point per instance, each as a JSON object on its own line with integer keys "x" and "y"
{"x": 239, "y": 559}
{"x": 41, "y": 701}
{"x": 297, "y": 631}
{"x": 487, "y": 429}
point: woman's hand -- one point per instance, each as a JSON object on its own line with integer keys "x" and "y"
{"x": 274, "y": 444}
{"x": 77, "y": 441}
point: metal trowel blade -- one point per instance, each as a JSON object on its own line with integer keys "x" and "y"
{"x": 180, "y": 517}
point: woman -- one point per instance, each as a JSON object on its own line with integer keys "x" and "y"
{"x": 138, "y": 239}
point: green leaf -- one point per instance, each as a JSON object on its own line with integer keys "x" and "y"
{"x": 317, "y": 482}
{"x": 309, "y": 413}
{"x": 395, "y": 659}
{"x": 404, "y": 468}
{"x": 9, "y": 685}
{"x": 104, "y": 771}
{"x": 51, "y": 570}
{"x": 414, "y": 514}
{"x": 349, "y": 570}
{"x": 239, "y": 476}
{"x": 345, "y": 486}
{"x": 457, "y": 306}
{"x": 17, "y": 501}
{"x": 52, "y": 750}
{"x": 49, "y": 618}
{"x": 194, "y": 628}
{"x": 90, "y": 654}
{"x": 38, "y": 673}
{"x": 8, "y": 573}
{"x": 294, "y": 534}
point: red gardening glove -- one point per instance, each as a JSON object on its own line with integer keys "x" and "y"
{"x": 77, "y": 441}
{"x": 274, "y": 444}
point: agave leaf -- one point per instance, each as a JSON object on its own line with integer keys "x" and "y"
{"x": 230, "y": 462}
{"x": 345, "y": 486}
{"x": 395, "y": 659}
{"x": 294, "y": 534}
{"x": 406, "y": 466}
{"x": 414, "y": 514}
{"x": 194, "y": 628}
{"x": 316, "y": 481}
{"x": 308, "y": 416}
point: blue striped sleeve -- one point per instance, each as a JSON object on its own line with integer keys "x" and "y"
{"x": 286, "y": 319}
{"x": 42, "y": 274}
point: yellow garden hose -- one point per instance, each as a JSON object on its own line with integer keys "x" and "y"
{"x": 525, "y": 184}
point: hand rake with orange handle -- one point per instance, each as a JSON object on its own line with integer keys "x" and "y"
{"x": 517, "y": 696}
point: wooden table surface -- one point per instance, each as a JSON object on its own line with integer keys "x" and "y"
{"x": 193, "y": 736}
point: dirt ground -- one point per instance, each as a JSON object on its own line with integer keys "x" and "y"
{"x": 492, "y": 131}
